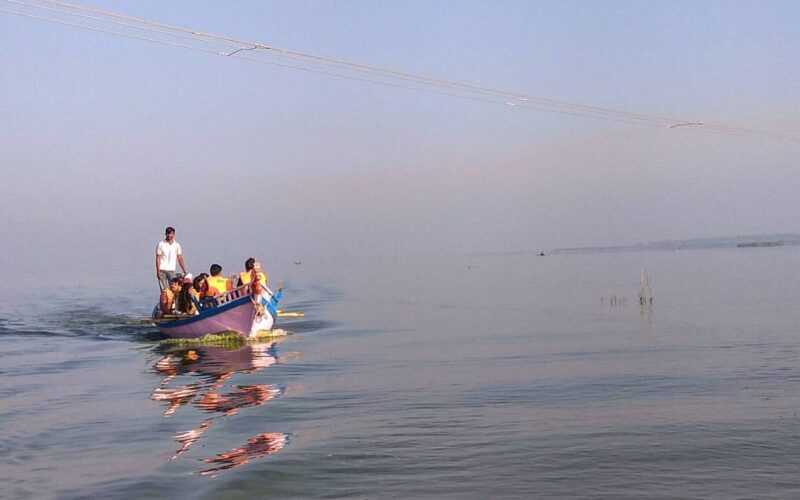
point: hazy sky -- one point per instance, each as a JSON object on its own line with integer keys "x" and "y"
{"x": 105, "y": 140}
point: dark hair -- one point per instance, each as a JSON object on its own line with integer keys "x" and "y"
{"x": 185, "y": 299}
{"x": 215, "y": 269}
{"x": 169, "y": 229}
{"x": 249, "y": 264}
{"x": 200, "y": 283}
{"x": 175, "y": 280}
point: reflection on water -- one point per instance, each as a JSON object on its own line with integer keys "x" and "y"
{"x": 214, "y": 366}
{"x": 541, "y": 392}
{"x": 256, "y": 447}
{"x": 188, "y": 438}
{"x": 246, "y": 395}
{"x": 176, "y": 397}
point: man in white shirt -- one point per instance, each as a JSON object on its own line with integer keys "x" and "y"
{"x": 168, "y": 256}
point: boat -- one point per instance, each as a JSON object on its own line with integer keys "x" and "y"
{"x": 247, "y": 310}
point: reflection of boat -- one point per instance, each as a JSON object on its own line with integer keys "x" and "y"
{"x": 176, "y": 398}
{"x": 216, "y": 361}
{"x": 243, "y": 397}
{"x": 256, "y": 447}
{"x": 245, "y": 310}
{"x": 210, "y": 368}
{"x": 188, "y": 438}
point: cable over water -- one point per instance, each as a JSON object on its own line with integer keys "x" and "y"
{"x": 112, "y": 23}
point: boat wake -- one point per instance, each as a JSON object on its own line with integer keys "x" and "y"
{"x": 75, "y": 322}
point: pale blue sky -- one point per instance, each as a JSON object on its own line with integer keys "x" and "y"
{"x": 106, "y": 140}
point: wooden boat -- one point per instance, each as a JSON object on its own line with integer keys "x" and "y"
{"x": 246, "y": 310}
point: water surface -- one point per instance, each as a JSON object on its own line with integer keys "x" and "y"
{"x": 504, "y": 376}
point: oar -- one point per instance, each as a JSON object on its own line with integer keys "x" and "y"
{"x": 290, "y": 314}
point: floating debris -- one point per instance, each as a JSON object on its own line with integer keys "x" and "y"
{"x": 226, "y": 339}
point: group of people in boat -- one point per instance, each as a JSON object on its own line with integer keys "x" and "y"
{"x": 183, "y": 293}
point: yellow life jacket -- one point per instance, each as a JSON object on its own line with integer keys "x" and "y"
{"x": 246, "y": 277}
{"x": 220, "y": 283}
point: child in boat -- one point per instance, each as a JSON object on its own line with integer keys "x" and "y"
{"x": 166, "y": 303}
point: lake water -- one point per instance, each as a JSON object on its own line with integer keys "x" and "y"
{"x": 488, "y": 376}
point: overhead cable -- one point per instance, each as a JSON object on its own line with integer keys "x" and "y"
{"x": 112, "y": 23}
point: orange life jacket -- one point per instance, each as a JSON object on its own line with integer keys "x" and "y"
{"x": 166, "y": 301}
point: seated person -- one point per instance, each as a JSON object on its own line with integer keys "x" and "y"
{"x": 166, "y": 303}
{"x": 247, "y": 276}
{"x": 185, "y": 304}
{"x": 201, "y": 284}
{"x": 200, "y": 287}
{"x": 217, "y": 283}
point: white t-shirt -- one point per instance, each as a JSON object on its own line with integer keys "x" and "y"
{"x": 168, "y": 255}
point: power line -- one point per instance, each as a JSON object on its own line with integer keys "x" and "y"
{"x": 508, "y": 98}
{"x": 98, "y": 20}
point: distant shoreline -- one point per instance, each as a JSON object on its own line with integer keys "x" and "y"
{"x": 752, "y": 241}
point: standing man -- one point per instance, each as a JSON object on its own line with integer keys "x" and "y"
{"x": 168, "y": 256}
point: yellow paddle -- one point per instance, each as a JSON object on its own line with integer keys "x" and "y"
{"x": 290, "y": 314}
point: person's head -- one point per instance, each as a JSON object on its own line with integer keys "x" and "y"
{"x": 215, "y": 269}
{"x": 169, "y": 233}
{"x": 175, "y": 284}
{"x": 249, "y": 263}
{"x": 201, "y": 283}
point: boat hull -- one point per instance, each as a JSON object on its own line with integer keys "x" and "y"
{"x": 240, "y": 315}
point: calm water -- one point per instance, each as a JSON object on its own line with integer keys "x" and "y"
{"x": 465, "y": 377}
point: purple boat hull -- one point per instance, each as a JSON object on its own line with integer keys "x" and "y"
{"x": 238, "y": 313}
